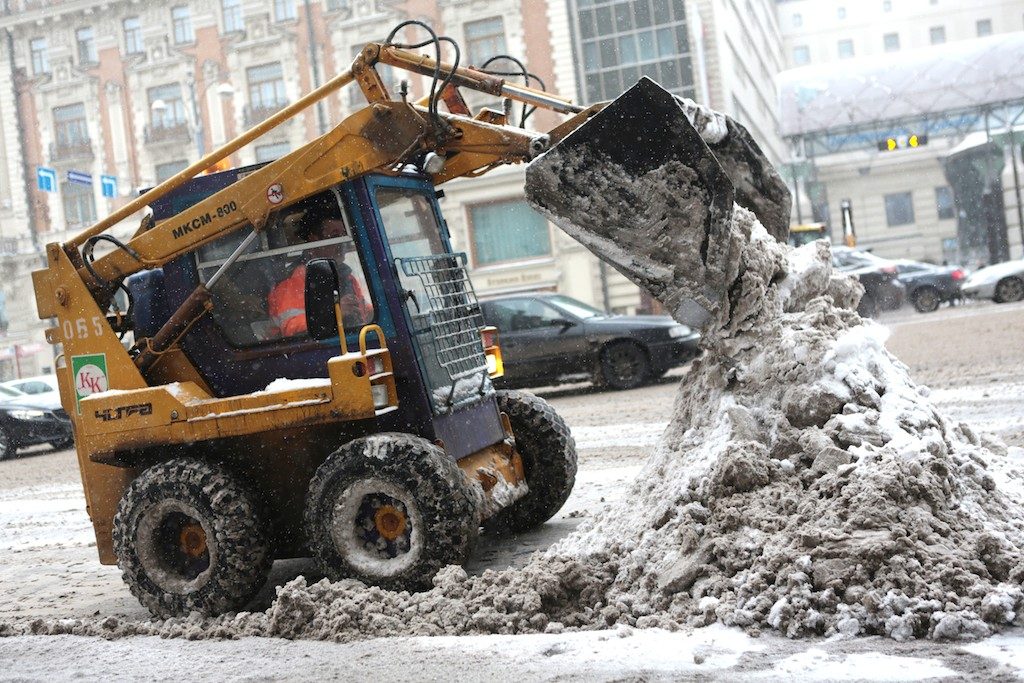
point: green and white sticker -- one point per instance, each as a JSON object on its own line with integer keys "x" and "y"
{"x": 90, "y": 373}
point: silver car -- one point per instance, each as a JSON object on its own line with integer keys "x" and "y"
{"x": 1003, "y": 282}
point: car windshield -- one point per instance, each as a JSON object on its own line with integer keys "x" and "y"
{"x": 576, "y": 308}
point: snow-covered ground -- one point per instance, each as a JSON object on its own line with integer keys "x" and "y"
{"x": 971, "y": 357}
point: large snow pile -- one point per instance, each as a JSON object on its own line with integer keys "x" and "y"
{"x": 805, "y": 484}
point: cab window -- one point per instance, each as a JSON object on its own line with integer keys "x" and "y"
{"x": 260, "y": 298}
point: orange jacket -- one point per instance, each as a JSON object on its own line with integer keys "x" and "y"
{"x": 287, "y": 303}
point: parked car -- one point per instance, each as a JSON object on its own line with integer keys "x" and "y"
{"x": 27, "y": 420}
{"x": 549, "y": 338}
{"x": 879, "y": 276}
{"x": 928, "y": 285}
{"x": 40, "y": 384}
{"x": 1002, "y": 282}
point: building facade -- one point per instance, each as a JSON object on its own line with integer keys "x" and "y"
{"x": 905, "y": 203}
{"x": 99, "y": 100}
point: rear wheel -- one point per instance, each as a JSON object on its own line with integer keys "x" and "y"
{"x": 391, "y": 510}
{"x": 549, "y": 461}
{"x": 624, "y": 365}
{"x": 867, "y": 308}
{"x": 1009, "y": 289}
{"x": 189, "y": 537}
{"x": 926, "y": 299}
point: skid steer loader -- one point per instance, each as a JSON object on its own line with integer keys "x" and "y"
{"x": 303, "y": 368}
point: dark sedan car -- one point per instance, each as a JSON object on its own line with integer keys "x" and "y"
{"x": 29, "y": 420}
{"x": 550, "y": 338}
{"x": 928, "y": 285}
{"x": 879, "y": 276}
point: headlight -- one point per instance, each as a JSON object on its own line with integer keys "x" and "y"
{"x": 26, "y": 414}
{"x": 678, "y": 331}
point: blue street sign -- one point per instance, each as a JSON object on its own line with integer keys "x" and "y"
{"x": 108, "y": 184}
{"x": 79, "y": 177}
{"x": 46, "y": 179}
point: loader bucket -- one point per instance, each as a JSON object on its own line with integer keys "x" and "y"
{"x": 638, "y": 186}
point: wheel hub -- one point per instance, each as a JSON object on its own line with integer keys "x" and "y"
{"x": 192, "y": 540}
{"x": 390, "y": 522}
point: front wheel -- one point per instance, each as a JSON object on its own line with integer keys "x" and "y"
{"x": 391, "y": 510}
{"x": 624, "y": 365}
{"x": 926, "y": 300}
{"x": 7, "y": 445}
{"x": 62, "y": 444}
{"x": 867, "y": 308}
{"x": 548, "y": 451}
{"x": 189, "y": 537}
{"x": 1009, "y": 289}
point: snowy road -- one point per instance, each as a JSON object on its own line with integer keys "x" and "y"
{"x": 971, "y": 357}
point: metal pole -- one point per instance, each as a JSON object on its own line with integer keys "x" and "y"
{"x": 200, "y": 133}
{"x": 321, "y": 116}
{"x": 1016, "y": 181}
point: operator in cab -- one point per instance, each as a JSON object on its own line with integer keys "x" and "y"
{"x": 286, "y": 302}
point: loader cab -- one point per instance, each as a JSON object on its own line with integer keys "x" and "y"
{"x": 397, "y": 270}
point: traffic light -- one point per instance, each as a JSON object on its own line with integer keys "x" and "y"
{"x": 891, "y": 144}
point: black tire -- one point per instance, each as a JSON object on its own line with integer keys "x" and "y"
{"x": 63, "y": 444}
{"x": 867, "y": 308}
{"x": 549, "y": 461}
{"x": 624, "y": 365}
{"x": 8, "y": 447}
{"x": 926, "y": 299}
{"x": 391, "y": 510}
{"x": 189, "y": 537}
{"x": 1009, "y": 289}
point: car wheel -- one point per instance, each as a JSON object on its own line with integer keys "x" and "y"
{"x": 391, "y": 510}
{"x": 548, "y": 451}
{"x": 1009, "y": 289}
{"x": 624, "y": 365}
{"x": 189, "y": 537}
{"x": 63, "y": 444}
{"x": 7, "y": 446}
{"x": 926, "y": 299}
{"x": 867, "y": 308}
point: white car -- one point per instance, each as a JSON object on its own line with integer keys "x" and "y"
{"x": 1003, "y": 282}
{"x": 42, "y": 384}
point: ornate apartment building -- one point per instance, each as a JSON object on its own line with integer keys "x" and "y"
{"x": 99, "y": 99}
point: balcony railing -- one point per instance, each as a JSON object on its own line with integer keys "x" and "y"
{"x": 173, "y": 133}
{"x": 71, "y": 151}
{"x": 258, "y": 114}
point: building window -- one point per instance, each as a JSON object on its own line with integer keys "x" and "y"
{"x": 79, "y": 204}
{"x": 231, "y": 10}
{"x": 40, "y": 61}
{"x": 284, "y": 10}
{"x": 841, "y": 13}
{"x": 507, "y": 231}
{"x": 801, "y": 55}
{"x": 132, "y": 36}
{"x": 891, "y": 41}
{"x": 181, "y": 19}
{"x": 984, "y": 27}
{"x": 899, "y": 209}
{"x": 944, "y": 203}
{"x": 886, "y": 5}
{"x": 621, "y": 42}
{"x": 169, "y": 170}
{"x": 484, "y": 39}
{"x": 266, "y": 86}
{"x": 937, "y": 34}
{"x": 86, "y": 40}
{"x": 334, "y": 5}
{"x": 166, "y": 107}
{"x": 798, "y": 20}
{"x": 69, "y": 129}
{"x": 271, "y": 152}
{"x": 845, "y": 49}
